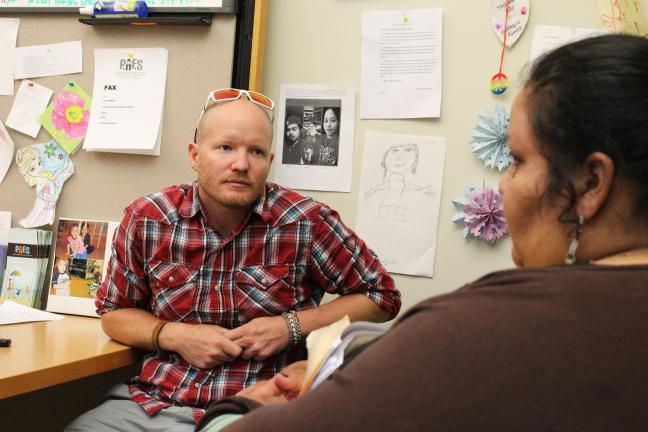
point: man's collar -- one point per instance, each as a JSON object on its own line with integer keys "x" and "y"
{"x": 261, "y": 207}
{"x": 191, "y": 204}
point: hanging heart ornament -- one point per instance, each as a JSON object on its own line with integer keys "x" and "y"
{"x": 518, "y": 16}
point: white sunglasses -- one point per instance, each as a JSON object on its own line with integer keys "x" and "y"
{"x": 232, "y": 94}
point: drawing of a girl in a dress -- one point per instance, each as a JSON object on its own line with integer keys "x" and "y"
{"x": 399, "y": 162}
{"x": 45, "y": 166}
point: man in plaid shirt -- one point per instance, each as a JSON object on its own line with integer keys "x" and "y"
{"x": 222, "y": 279}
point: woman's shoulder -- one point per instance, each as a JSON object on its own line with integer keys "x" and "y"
{"x": 519, "y": 288}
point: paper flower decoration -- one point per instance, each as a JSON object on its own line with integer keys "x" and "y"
{"x": 489, "y": 139}
{"x": 480, "y": 211}
{"x": 68, "y": 115}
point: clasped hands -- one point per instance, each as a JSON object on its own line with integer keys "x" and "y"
{"x": 205, "y": 346}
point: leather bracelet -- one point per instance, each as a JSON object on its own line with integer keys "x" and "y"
{"x": 156, "y": 334}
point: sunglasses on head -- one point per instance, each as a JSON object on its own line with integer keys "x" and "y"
{"x": 232, "y": 94}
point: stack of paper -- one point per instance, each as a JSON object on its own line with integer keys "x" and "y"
{"x": 128, "y": 98}
{"x": 14, "y": 313}
{"x": 24, "y": 274}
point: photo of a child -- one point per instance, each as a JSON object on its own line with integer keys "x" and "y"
{"x": 61, "y": 278}
{"x": 81, "y": 252}
{"x": 76, "y": 248}
{"x": 80, "y": 249}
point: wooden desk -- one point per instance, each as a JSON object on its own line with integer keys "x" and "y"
{"x": 47, "y": 353}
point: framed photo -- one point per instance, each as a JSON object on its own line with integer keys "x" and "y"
{"x": 81, "y": 254}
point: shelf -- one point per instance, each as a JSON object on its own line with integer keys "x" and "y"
{"x": 162, "y": 19}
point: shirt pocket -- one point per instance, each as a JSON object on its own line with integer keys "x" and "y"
{"x": 264, "y": 291}
{"x": 173, "y": 289}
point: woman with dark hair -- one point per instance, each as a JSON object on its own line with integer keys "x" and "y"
{"x": 330, "y": 147}
{"x": 558, "y": 344}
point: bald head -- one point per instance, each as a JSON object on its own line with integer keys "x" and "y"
{"x": 240, "y": 113}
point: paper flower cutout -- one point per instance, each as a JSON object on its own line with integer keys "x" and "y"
{"x": 489, "y": 139}
{"x": 68, "y": 115}
{"x": 480, "y": 211}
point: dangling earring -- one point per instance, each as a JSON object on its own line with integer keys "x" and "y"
{"x": 570, "y": 258}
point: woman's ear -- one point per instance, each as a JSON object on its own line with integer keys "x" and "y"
{"x": 594, "y": 185}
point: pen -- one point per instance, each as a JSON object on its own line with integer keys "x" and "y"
{"x": 5, "y": 342}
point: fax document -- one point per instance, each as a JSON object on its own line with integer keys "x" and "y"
{"x": 128, "y": 100}
{"x": 401, "y": 64}
{"x": 8, "y": 35}
{"x": 49, "y": 60}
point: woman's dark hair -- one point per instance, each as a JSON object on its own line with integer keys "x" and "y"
{"x": 588, "y": 96}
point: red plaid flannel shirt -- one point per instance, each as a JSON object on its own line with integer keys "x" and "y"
{"x": 167, "y": 260}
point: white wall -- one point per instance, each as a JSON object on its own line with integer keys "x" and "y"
{"x": 318, "y": 42}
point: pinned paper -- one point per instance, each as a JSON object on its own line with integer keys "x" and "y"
{"x": 45, "y": 166}
{"x": 481, "y": 214}
{"x": 8, "y": 35}
{"x": 515, "y": 21}
{"x": 623, "y": 17}
{"x": 547, "y": 38}
{"x": 6, "y": 151}
{"x": 30, "y": 102}
{"x": 49, "y": 60}
{"x": 399, "y": 194}
{"x": 66, "y": 118}
{"x": 489, "y": 139}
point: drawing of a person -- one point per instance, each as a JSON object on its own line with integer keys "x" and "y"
{"x": 398, "y": 162}
{"x": 31, "y": 167}
{"x": 47, "y": 180}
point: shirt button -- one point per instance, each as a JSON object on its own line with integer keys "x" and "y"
{"x": 264, "y": 281}
{"x": 171, "y": 279}
{"x": 196, "y": 385}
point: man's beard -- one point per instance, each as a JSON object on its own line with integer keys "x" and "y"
{"x": 238, "y": 202}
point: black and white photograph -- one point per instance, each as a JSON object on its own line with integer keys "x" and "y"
{"x": 315, "y": 133}
{"x": 312, "y": 132}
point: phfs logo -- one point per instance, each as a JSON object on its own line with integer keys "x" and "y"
{"x": 131, "y": 63}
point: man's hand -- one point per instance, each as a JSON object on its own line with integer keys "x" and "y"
{"x": 281, "y": 389}
{"x": 201, "y": 345}
{"x": 261, "y": 337}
